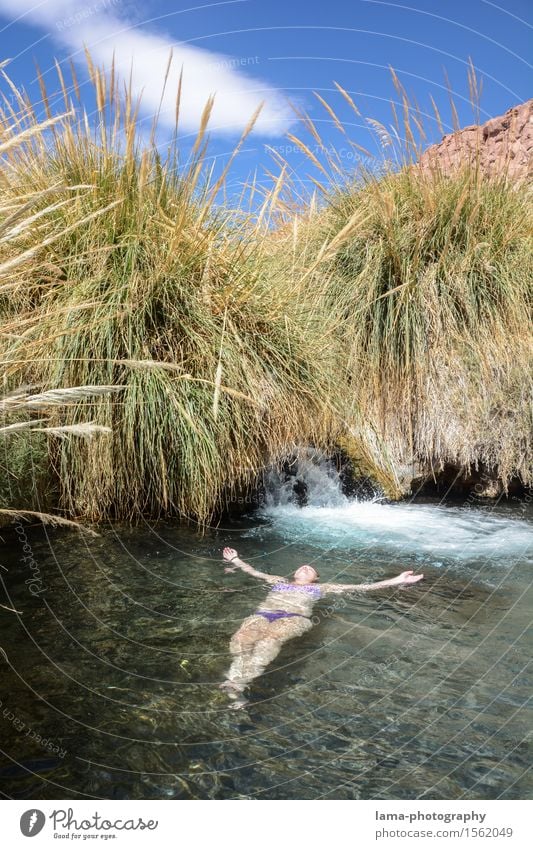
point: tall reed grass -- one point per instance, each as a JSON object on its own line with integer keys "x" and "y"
{"x": 139, "y": 277}
{"x": 387, "y": 317}
{"x": 428, "y": 276}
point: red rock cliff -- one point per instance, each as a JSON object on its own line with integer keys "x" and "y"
{"x": 502, "y": 145}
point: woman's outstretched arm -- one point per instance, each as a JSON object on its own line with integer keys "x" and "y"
{"x": 401, "y": 580}
{"x": 231, "y": 555}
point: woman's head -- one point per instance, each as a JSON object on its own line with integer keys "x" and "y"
{"x": 306, "y": 575}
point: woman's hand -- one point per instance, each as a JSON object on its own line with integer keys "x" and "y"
{"x": 229, "y": 553}
{"x": 408, "y": 578}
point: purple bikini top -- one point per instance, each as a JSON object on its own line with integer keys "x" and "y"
{"x": 305, "y": 588}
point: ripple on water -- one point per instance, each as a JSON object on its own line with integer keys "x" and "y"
{"x": 414, "y": 693}
{"x": 447, "y": 535}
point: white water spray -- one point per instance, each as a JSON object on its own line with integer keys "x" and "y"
{"x": 329, "y": 520}
{"x": 311, "y": 480}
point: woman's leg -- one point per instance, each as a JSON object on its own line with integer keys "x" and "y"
{"x": 263, "y": 653}
{"x": 255, "y": 648}
{"x": 242, "y": 644}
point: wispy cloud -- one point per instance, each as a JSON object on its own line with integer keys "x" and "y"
{"x": 103, "y": 28}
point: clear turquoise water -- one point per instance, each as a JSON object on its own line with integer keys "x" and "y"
{"x": 410, "y": 693}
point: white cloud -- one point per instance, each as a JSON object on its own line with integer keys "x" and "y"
{"x": 73, "y": 24}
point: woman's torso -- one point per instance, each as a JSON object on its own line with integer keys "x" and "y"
{"x": 292, "y": 598}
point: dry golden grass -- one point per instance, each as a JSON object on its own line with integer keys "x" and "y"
{"x": 134, "y": 276}
{"x": 388, "y": 317}
{"x": 428, "y": 279}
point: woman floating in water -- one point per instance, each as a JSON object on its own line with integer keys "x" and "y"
{"x": 284, "y": 614}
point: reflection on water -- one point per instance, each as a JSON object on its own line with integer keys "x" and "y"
{"x": 409, "y": 693}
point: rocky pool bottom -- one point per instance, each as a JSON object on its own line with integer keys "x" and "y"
{"x": 111, "y": 669}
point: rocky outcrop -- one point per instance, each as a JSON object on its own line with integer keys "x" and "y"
{"x": 504, "y": 145}
{"x": 475, "y": 483}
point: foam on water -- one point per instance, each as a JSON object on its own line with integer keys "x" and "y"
{"x": 330, "y": 520}
{"x": 447, "y": 531}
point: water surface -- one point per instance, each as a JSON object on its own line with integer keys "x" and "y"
{"x": 420, "y": 692}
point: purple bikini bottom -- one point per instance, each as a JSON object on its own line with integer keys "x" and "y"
{"x": 272, "y": 615}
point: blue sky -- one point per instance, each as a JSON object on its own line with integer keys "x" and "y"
{"x": 246, "y": 51}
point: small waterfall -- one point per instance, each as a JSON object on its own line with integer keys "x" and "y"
{"x": 305, "y": 502}
{"x": 310, "y": 479}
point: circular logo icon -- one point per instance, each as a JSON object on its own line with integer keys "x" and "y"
{"x": 31, "y": 822}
